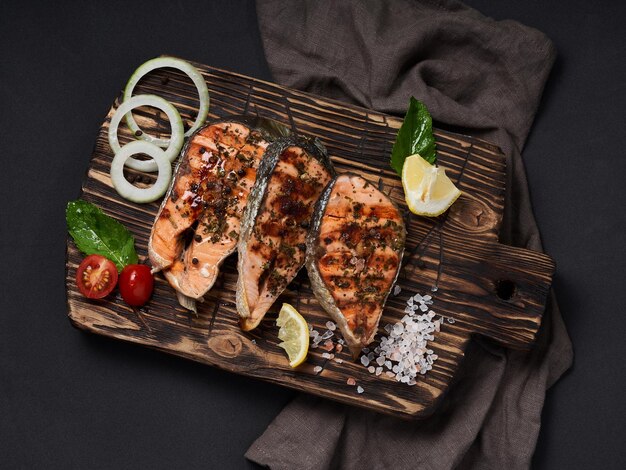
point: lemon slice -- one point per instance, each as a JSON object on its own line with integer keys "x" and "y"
{"x": 427, "y": 188}
{"x": 294, "y": 332}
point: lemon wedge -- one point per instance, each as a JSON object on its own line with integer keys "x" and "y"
{"x": 427, "y": 188}
{"x": 294, "y": 333}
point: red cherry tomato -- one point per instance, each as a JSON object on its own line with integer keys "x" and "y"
{"x": 136, "y": 284}
{"x": 96, "y": 276}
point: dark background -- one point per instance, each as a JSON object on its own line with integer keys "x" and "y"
{"x": 73, "y": 400}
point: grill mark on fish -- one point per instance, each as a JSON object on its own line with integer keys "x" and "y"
{"x": 272, "y": 246}
{"x": 354, "y": 254}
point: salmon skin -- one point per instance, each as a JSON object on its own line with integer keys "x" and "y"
{"x": 272, "y": 247}
{"x": 354, "y": 254}
{"x": 198, "y": 223}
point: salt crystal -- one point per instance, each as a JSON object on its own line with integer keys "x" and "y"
{"x": 317, "y": 369}
{"x": 390, "y": 374}
{"x": 359, "y": 390}
{"x": 396, "y": 289}
{"x": 188, "y": 194}
{"x": 253, "y": 341}
{"x": 331, "y": 326}
{"x": 451, "y": 320}
{"x": 365, "y": 361}
{"x": 327, "y": 355}
{"x": 371, "y": 369}
{"x": 328, "y": 345}
{"x": 338, "y": 361}
{"x": 379, "y": 370}
{"x": 327, "y": 334}
{"x": 434, "y": 289}
{"x": 365, "y": 350}
{"x": 339, "y": 347}
{"x": 351, "y": 381}
{"x": 423, "y": 307}
{"x": 380, "y": 360}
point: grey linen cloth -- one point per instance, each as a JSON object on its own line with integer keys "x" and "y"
{"x": 480, "y": 77}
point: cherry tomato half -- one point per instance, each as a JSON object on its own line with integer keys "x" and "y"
{"x": 136, "y": 284}
{"x": 96, "y": 276}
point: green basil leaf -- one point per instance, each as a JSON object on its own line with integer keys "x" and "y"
{"x": 95, "y": 233}
{"x": 414, "y": 136}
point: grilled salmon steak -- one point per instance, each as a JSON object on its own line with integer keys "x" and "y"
{"x": 272, "y": 247}
{"x": 198, "y": 224}
{"x": 354, "y": 253}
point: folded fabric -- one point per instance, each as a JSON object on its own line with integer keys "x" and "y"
{"x": 477, "y": 76}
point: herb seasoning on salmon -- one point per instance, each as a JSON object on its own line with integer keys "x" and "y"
{"x": 198, "y": 224}
{"x": 272, "y": 246}
{"x": 354, "y": 253}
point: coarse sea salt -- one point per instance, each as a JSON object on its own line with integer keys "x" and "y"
{"x": 405, "y": 352}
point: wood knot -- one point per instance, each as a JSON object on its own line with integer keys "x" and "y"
{"x": 473, "y": 215}
{"x": 226, "y": 345}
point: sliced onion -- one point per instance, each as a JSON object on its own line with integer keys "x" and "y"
{"x": 174, "y": 144}
{"x": 177, "y": 64}
{"x": 131, "y": 192}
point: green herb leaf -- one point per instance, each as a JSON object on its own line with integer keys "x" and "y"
{"x": 414, "y": 136}
{"x": 95, "y": 233}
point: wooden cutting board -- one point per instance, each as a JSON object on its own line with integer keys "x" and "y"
{"x": 478, "y": 285}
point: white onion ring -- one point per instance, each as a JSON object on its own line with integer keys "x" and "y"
{"x": 131, "y": 192}
{"x": 176, "y": 124}
{"x": 177, "y": 64}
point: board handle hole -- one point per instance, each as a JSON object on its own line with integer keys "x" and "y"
{"x": 505, "y": 289}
